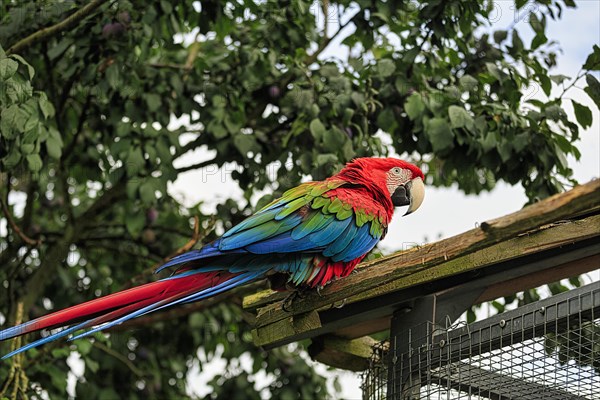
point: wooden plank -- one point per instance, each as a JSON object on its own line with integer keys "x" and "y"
{"x": 290, "y": 326}
{"x": 352, "y": 355}
{"x": 551, "y": 237}
{"x": 262, "y": 298}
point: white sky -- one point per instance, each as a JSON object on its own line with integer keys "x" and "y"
{"x": 446, "y": 211}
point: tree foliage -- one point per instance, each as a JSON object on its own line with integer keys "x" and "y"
{"x": 89, "y": 143}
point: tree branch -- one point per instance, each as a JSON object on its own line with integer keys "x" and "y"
{"x": 15, "y": 228}
{"x": 119, "y": 357}
{"x": 191, "y": 243}
{"x": 17, "y": 379}
{"x": 82, "y": 118}
{"x": 102, "y": 203}
{"x": 63, "y": 25}
{"x": 196, "y": 166}
{"x": 326, "y": 40}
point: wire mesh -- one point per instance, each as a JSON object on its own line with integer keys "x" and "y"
{"x": 547, "y": 352}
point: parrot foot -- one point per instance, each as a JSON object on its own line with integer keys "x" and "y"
{"x": 289, "y": 300}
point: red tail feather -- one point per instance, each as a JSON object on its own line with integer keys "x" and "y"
{"x": 117, "y": 304}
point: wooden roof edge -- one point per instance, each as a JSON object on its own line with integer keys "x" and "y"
{"x": 275, "y": 326}
{"x": 583, "y": 199}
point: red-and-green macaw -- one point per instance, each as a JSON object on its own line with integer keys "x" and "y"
{"x": 314, "y": 233}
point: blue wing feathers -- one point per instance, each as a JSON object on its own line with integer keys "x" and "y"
{"x": 282, "y": 229}
{"x": 363, "y": 243}
{"x": 341, "y": 241}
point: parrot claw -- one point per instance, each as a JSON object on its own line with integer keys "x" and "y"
{"x": 341, "y": 305}
{"x": 287, "y": 302}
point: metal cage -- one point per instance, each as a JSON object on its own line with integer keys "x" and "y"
{"x": 545, "y": 350}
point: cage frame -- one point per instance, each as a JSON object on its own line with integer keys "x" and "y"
{"x": 438, "y": 345}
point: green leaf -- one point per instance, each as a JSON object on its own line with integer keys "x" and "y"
{"x": 468, "y": 83}
{"x": 147, "y": 192}
{"x": 386, "y": 120}
{"x": 54, "y": 147}
{"x": 385, "y": 68}
{"x": 12, "y": 160}
{"x": 30, "y": 69}
{"x": 131, "y": 188}
{"x": 471, "y": 317}
{"x": 592, "y": 63}
{"x": 546, "y": 83}
{"x": 459, "y": 117}
{"x": 8, "y": 68}
{"x": 58, "y": 379}
{"x": 135, "y": 161}
{"x": 440, "y": 135}
{"x": 583, "y": 114}
{"x": 153, "y": 101}
{"x": 414, "y": 106}
{"x": 84, "y": 346}
{"x": 517, "y": 43}
{"x": 558, "y": 79}
{"x": 108, "y": 394}
{"x": 35, "y": 162}
{"x": 92, "y": 365}
{"x": 135, "y": 223}
{"x": 317, "y": 129}
{"x": 554, "y": 112}
{"x": 505, "y": 150}
{"x": 494, "y": 71}
{"x": 489, "y": 142}
{"x": 112, "y": 76}
{"x": 538, "y": 40}
{"x": 536, "y": 23}
{"x": 245, "y": 144}
{"x": 46, "y": 106}
{"x": 59, "y": 48}
{"x": 593, "y": 88}
{"x": 500, "y": 36}
{"x": 334, "y": 139}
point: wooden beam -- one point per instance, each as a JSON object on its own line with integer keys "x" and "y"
{"x": 262, "y": 298}
{"x": 352, "y": 355}
{"x": 290, "y": 326}
{"x": 406, "y": 273}
{"x": 377, "y": 277}
{"x": 567, "y": 270}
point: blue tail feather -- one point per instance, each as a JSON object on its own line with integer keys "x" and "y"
{"x": 224, "y": 286}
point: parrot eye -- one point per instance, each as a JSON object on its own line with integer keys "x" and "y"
{"x": 396, "y": 171}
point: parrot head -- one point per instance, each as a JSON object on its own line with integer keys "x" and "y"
{"x": 401, "y": 182}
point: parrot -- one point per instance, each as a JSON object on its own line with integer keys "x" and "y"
{"x": 313, "y": 234}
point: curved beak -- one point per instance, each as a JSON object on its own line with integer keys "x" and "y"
{"x": 416, "y": 194}
{"x": 411, "y": 195}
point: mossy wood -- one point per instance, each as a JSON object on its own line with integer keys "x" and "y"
{"x": 549, "y": 225}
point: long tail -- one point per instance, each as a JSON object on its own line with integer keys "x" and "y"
{"x": 107, "y": 311}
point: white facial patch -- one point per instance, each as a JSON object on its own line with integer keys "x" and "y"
{"x": 397, "y": 176}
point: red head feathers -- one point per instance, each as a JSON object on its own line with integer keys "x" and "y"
{"x": 391, "y": 182}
